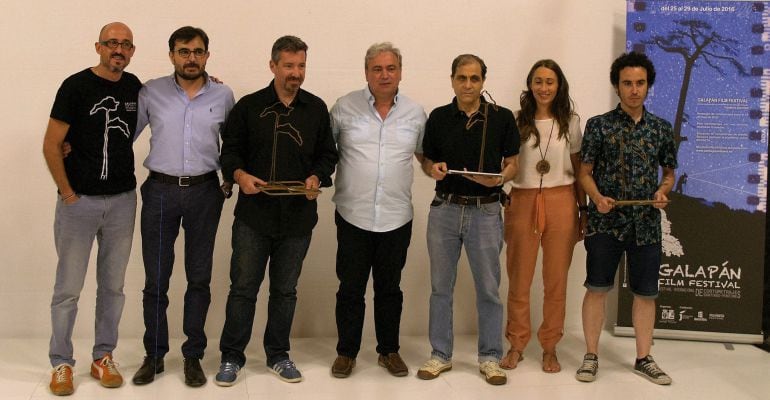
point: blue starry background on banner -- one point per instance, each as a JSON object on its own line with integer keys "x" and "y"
{"x": 711, "y": 59}
{"x": 722, "y": 126}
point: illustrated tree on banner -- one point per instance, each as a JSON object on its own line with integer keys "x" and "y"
{"x": 712, "y": 59}
{"x": 696, "y": 40}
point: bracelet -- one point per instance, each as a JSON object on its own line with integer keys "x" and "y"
{"x": 64, "y": 198}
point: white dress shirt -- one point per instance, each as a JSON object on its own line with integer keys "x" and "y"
{"x": 373, "y": 183}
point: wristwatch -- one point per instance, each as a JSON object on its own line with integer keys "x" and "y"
{"x": 227, "y": 189}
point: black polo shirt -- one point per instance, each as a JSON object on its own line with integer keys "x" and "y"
{"x": 304, "y": 146}
{"x": 452, "y": 137}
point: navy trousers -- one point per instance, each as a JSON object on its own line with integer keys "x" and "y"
{"x": 165, "y": 208}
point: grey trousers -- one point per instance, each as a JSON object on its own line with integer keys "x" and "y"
{"x": 109, "y": 220}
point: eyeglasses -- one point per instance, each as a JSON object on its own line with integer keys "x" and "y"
{"x": 113, "y": 44}
{"x": 184, "y": 53}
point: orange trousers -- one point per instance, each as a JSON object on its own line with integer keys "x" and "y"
{"x": 558, "y": 222}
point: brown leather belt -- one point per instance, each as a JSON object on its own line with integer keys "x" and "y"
{"x": 468, "y": 200}
{"x": 183, "y": 181}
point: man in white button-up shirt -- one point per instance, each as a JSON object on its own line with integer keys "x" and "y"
{"x": 377, "y": 131}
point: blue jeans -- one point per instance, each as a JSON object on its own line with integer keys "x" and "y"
{"x": 164, "y": 208}
{"x": 251, "y": 253}
{"x": 480, "y": 230}
{"x": 109, "y": 220}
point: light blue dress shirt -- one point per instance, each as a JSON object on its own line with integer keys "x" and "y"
{"x": 185, "y": 132}
{"x": 373, "y": 183}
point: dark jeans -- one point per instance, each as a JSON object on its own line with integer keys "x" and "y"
{"x": 603, "y": 253}
{"x": 384, "y": 254}
{"x": 251, "y": 253}
{"x": 165, "y": 207}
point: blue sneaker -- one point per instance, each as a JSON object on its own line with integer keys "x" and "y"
{"x": 228, "y": 373}
{"x": 287, "y": 371}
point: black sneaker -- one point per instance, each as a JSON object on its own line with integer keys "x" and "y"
{"x": 648, "y": 368}
{"x": 587, "y": 371}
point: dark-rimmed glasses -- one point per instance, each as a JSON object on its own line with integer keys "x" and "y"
{"x": 184, "y": 53}
{"x": 114, "y": 43}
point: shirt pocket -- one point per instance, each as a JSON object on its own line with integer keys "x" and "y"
{"x": 408, "y": 131}
{"x": 355, "y": 130}
{"x": 209, "y": 121}
{"x": 217, "y": 116}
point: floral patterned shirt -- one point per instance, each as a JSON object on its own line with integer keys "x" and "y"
{"x": 625, "y": 157}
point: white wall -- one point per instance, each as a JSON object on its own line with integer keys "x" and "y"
{"x": 42, "y": 42}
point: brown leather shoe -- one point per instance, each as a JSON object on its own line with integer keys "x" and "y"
{"x": 394, "y": 364}
{"x": 343, "y": 366}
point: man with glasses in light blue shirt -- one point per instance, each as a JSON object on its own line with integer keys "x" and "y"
{"x": 377, "y": 131}
{"x": 186, "y": 112}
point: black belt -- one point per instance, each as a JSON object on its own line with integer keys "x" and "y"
{"x": 468, "y": 200}
{"x": 183, "y": 180}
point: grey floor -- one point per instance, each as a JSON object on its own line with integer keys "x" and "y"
{"x": 700, "y": 370}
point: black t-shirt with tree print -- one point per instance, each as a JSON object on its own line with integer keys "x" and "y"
{"x": 102, "y": 119}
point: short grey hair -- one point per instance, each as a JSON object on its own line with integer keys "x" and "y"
{"x": 289, "y": 43}
{"x": 378, "y": 48}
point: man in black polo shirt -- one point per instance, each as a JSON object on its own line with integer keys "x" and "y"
{"x": 279, "y": 133}
{"x": 474, "y": 135}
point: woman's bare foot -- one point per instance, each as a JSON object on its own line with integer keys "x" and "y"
{"x": 511, "y": 360}
{"x": 551, "y": 363}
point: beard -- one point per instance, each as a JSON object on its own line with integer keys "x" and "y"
{"x": 190, "y": 76}
{"x": 292, "y": 84}
{"x": 116, "y": 63}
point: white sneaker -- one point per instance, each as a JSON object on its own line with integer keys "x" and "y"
{"x": 433, "y": 368}
{"x": 493, "y": 373}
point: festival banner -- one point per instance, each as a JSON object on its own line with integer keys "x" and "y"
{"x": 713, "y": 85}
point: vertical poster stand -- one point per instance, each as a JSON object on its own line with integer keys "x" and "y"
{"x": 713, "y": 84}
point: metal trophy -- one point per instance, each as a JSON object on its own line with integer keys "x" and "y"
{"x": 283, "y": 188}
{"x": 468, "y": 126}
{"x": 620, "y": 203}
{"x": 287, "y": 188}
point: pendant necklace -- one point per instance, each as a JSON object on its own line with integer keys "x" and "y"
{"x": 543, "y": 166}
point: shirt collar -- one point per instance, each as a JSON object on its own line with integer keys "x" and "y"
{"x": 301, "y": 97}
{"x": 478, "y": 114}
{"x": 620, "y": 113}
{"x": 370, "y": 96}
{"x": 203, "y": 89}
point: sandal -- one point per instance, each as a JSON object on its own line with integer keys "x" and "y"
{"x": 511, "y": 360}
{"x": 551, "y": 363}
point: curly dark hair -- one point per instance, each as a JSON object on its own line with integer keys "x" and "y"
{"x": 632, "y": 59}
{"x": 562, "y": 107}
